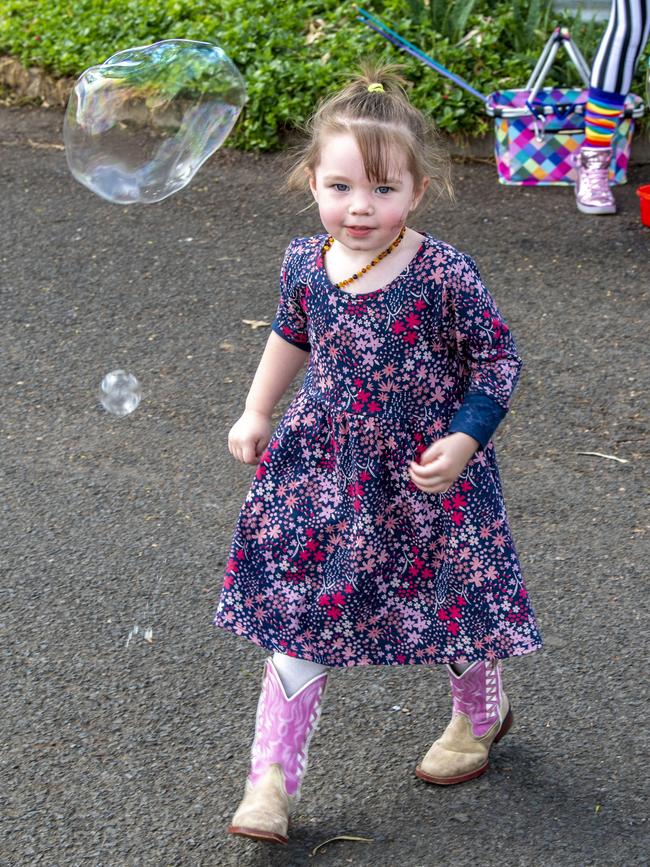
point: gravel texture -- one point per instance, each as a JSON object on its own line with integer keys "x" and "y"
{"x": 118, "y": 752}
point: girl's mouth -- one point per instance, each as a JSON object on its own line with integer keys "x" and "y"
{"x": 358, "y": 231}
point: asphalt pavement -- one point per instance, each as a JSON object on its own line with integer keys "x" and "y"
{"x": 121, "y": 747}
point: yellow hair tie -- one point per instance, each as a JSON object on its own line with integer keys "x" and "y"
{"x": 376, "y": 88}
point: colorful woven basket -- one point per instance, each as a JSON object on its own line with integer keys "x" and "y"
{"x": 538, "y": 130}
{"x": 530, "y": 150}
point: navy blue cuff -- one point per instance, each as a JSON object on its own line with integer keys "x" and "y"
{"x": 479, "y": 417}
{"x": 299, "y": 343}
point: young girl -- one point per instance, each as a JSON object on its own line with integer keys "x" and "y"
{"x": 374, "y": 531}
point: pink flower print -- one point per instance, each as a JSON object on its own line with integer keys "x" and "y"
{"x": 455, "y": 612}
{"x": 362, "y": 395}
{"x": 296, "y": 576}
{"x": 333, "y": 604}
{"x": 410, "y": 337}
{"x": 500, "y": 540}
{"x": 447, "y": 504}
{"x": 453, "y": 627}
{"x": 398, "y": 327}
{"x": 228, "y": 581}
{"x": 261, "y": 469}
{"x": 260, "y": 535}
{"x": 349, "y": 588}
{"x": 420, "y": 304}
{"x": 413, "y": 320}
{"x": 438, "y": 395}
{"x": 442, "y": 615}
{"x": 438, "y": 275}
{"x": 373, "y": 406}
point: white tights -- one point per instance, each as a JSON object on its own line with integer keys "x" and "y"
{"x": 295, "y": 673}
{"x": 460, "y": 667}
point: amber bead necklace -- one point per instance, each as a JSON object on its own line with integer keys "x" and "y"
{"x": 375, "y": 261}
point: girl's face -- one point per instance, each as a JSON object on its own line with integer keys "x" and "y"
{"x": 361, "y": 214}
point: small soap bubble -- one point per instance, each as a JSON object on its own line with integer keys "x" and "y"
{"x": 120, "y": 392}
{"x": 138, "y": 127}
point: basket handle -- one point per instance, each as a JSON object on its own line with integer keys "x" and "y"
{"x": 560, "y": 36}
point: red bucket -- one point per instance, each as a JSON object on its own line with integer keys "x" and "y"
{"x": 644, "y": 195}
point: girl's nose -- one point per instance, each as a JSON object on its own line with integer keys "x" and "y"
{"x": 360, "y": 204}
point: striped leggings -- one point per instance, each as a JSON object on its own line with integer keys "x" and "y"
{"x": 621, "y": 45}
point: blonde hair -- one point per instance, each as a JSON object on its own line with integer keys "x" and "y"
{"x": 380, "y": 119}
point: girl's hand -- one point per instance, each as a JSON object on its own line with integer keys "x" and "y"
{"x": 442, "y": 463}
{"x": 249, "y": 436}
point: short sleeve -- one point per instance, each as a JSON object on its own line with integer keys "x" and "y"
{"x": 486, "y": 347}
{"x": 291, "y": 317}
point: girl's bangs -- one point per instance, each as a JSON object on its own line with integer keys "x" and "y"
{"x": 378, "y": 144}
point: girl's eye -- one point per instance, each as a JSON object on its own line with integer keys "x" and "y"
{"x": 341, "y": 188}
{"x": 384, "y": 190}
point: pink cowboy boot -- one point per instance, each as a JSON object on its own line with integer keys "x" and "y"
{"x": 593, "y": 193}
{"x": 279, "y": 757}
{"x": 481, "y": 716}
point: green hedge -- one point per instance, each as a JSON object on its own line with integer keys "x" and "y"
{"x": 291, "y": 54}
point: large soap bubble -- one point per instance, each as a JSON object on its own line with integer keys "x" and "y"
{"x": 138, "y": 127}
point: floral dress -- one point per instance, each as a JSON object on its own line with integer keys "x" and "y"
{"x": 337, "y": 556}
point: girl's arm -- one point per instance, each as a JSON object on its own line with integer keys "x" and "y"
{"x": 487, "y": 349}
{"x": 277, "y": 369}
{"x": 488, "y": 352}
{"x": 251, "y": 433}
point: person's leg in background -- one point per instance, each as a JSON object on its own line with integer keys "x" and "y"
{"x": 611, "y": 78}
